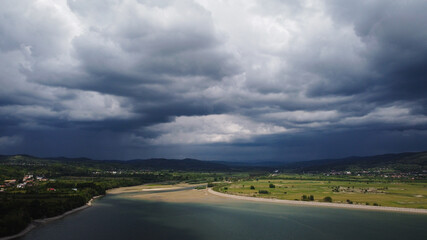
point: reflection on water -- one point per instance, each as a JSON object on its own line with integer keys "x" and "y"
{"x": 125, "y": 217}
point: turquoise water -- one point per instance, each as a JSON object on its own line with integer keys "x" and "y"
{"x": 115, "y": 217}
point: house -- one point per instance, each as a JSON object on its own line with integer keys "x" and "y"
{"x": 10, "y": 182}
{"x": 26, "y": 177}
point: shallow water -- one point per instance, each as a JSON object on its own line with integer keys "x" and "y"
{"x": 122, "y": 217}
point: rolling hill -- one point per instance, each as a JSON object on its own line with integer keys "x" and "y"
{"x": 403, "y": 162}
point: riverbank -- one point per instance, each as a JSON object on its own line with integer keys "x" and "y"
{"x": 38, "y": 222}
{"x": 123, "y": 216}
{"x": 320, "y": 204}
{"x": 144, "y": 187}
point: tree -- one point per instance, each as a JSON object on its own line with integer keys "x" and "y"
{"x": 272, "y": 185}
{"x": 311, "y": 198}
{"x": 252, "y": 187}
{"x": 327, "y": 199}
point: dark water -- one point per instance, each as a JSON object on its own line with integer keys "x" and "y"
{"x": 114, "y": 217}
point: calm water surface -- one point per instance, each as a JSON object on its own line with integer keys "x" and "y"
{"x": 115, "y": 217}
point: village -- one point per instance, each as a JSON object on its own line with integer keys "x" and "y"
{"x": 382, "y": 173}
{"x": 29, "y": 180}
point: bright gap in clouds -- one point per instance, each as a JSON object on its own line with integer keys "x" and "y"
{"x": 211, "y": 129}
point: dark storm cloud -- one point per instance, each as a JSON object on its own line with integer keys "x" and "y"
{"x": 277, "y": 80}
{"x": 396, "y": 46}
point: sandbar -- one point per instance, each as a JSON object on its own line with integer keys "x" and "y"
{"x": 210, "y": 196}
{"x": 152, "y": 188}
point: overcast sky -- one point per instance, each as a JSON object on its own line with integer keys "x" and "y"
{"x": 215, "y": 80}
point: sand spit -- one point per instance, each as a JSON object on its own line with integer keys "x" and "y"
{"x": 161, "y": 189}
{"x": 320, "y": 204}
{"x": 211, "y": 196}
{"x": 151, "y": 188}
{"x": 181, "y": 196}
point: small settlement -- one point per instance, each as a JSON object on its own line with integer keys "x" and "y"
{"x": 28, "y": 180}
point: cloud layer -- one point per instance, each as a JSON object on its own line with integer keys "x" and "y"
{"x": 240, "y": 80}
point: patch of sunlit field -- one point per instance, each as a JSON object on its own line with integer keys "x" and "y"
{"x": 393, "y": 194}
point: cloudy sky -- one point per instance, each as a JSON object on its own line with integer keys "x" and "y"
{"x": 219, "y": 80}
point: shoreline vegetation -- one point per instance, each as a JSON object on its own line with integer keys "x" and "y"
{"x": 38, "y": 222}
{"x": 148, "y": 187}
{"x": 45, "y": 200}
{"x": 59, "y": 192}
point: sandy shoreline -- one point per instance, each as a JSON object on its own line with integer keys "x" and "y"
{"x": 38, "y": 222}
{"x": 320, "y": 204}
{"x": 151, "y": 188}
{"x": 211, "y": 196}
{"x": 161, "y": 189}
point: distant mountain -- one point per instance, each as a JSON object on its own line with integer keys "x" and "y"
{"x": 137, "y": 164}
{"x": 175, "y": 164}
{"x": 404, "y": 162}
{"x": 258, "y": 164}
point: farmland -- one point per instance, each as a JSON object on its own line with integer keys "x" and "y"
{"x": 367, "y": 192}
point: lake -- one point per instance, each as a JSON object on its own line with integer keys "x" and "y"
{"x": 141, "y": 216}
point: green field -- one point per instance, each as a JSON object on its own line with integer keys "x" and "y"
{"x": 393, "y": 194}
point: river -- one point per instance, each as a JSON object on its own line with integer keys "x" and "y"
{"x": 145, "y": 215}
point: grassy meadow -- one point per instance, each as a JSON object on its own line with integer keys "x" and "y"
{"x": 393, "y": 194}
